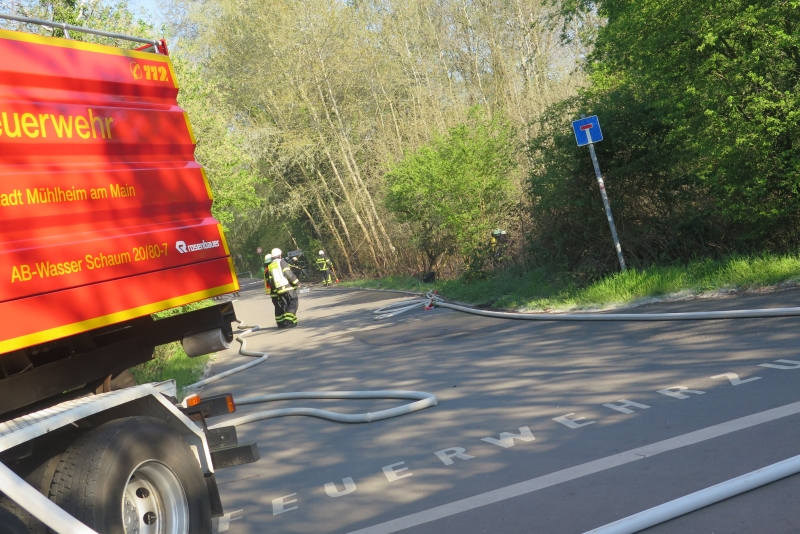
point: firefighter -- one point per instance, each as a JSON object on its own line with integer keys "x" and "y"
{"x": 267, "y": 261}
{"x": 324, "y": 266}
{"x": 283, "y": 285}
{"x": 268, "y": 289}
{"x": 497, "y": 246}
{"x": 276, "y": 303}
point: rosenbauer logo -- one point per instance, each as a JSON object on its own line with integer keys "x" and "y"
{"x": 183, "y": 248}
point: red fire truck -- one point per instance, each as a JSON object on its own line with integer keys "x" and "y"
{"x": 105, "y": 219}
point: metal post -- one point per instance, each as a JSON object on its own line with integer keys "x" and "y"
{"x": 606, "y": 204}
{"x": 69, "y": 27}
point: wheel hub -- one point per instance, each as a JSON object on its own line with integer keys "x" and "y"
{"x": 154, "y": 501}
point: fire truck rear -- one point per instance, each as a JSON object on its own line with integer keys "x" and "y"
{"x": 105, "y": 219}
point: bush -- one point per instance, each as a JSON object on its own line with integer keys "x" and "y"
{"x": 453, "y": 191}
{"x": 700, "y": 119}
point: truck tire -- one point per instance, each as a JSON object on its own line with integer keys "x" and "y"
{"x": 11, "y": 524}
{"x": 40, "y": 478}
{"x": 134, "y": 475}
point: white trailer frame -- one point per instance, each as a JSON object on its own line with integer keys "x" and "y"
{"x": 144, "y": 400}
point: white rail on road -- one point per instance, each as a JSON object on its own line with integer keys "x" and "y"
{"x": 700, "y": 499}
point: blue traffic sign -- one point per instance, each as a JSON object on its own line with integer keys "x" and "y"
{"x": 587, "y": 130}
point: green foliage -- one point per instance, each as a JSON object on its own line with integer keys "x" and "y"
{"x": 192, "y": 306}
{"x": 451, "y": 192}
{"x": 699, "y": 105}
{"x": 170, "y": 362}
{"x": 220, "y": 142}
{"x": 547, "y": 289}
{"x": 116, "y": 17}
{"x": 662, "y": 211}
{"x": 723, "y": 76}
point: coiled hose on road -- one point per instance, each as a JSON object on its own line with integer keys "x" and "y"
{"x": 422, "y": 400}
{"x": 60, "y": 520}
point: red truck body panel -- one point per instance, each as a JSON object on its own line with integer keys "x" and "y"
{"x": 105, "y": 215}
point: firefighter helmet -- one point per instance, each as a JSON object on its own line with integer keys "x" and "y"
{"x": 276, "y": 253}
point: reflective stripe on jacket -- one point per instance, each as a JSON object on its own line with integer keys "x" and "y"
{"x": 281, "y": 277}
{"x": 323, "y": 264}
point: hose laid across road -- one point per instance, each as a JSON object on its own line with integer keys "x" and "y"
{"x": 406, "y": 305}
{"x": 683, "y": 505}
{"x": 700, "y": 499}
{"x": 627, "y": 525}
{"x": 432, "y": 299}
{"x": 422, "y": 400}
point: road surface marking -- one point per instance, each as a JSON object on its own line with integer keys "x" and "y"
{"x": 279, "y": 504}
{"x": 507, "y": 438}
{"x": 222, "y": 524}
{"x": 571, "y": 423}
{"x": 792, "y": 365}
{"x": 333, "y": 491}
{"x": 391, "y": 472}
{"x": 447, "y": 455}
{"x": 578, "y": 471}
{"x": 625, "y": 405}
{"x": 734, "y": 378}
{"x": 679, "y": 392}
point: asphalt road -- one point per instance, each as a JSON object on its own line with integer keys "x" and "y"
{"x": 540, "y": 427}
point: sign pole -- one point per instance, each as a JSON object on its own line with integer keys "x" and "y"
{"x": 603, "y": 194}
{"x": 587, "y": 132}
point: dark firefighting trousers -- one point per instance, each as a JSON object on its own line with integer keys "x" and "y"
{"x": 286, "y": 305}
{"x": 326, "y": 277}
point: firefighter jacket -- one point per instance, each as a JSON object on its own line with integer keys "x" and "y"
{"x": 267, "y": 288}
{"x": 323, "y": 264}
{"x": 280, "y": 278}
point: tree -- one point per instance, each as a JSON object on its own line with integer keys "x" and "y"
{"x": 327, "y": 94}
{"x": 724, "y": 78}
{"x": 452, "y": 191}
{"x": 699, "y": 104}
{"x": 221, "y": 143}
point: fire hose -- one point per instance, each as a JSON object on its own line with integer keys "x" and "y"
{"x": 433, "y": 299}
{"x": 677, "y": 507}
{"x": 422, "y": 400}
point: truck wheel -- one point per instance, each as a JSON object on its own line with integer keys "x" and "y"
{"x": 11, "y": 524}
{"x": 40, "y": 478}
{"x": 133, "y": 476}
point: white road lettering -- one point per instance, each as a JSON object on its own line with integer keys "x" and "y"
{"x": 624, "y": 406}
{"x": 222, "y": 524}
{"x": 507, "y": 438}
{"x": 571, "y": 423}
{"x": 792, "y": 365}
{"x": 279, "y": 504}
{"x": 734, "y": 378}
{"x": 391, "y": 472}
{"x": 445, "y": 455}
{"x": 578, "y": 471}
{"x": 333, "y": 491}
{"x": 679, "y": 392}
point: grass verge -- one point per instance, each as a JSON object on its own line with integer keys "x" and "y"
{"x": 543, "y": 290}
{"x": 170, "y": 362}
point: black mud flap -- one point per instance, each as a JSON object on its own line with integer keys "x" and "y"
{"x": 233, "y": 456}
